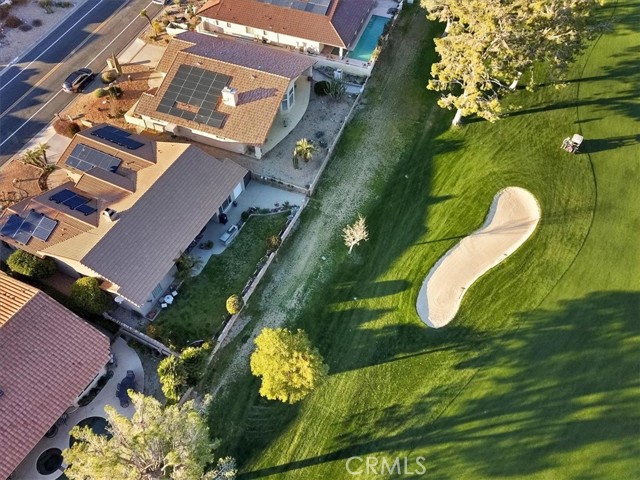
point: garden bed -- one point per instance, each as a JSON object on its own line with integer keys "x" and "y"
{"x": 199, "y": 311}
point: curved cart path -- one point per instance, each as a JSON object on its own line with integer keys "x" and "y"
{"x": 513, "y": 216}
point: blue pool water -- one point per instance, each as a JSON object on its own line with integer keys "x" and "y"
{"x": 369, "y": 39}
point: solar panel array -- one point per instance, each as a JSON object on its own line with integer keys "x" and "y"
{"x": 118, "y": 137}
{"x": 199, "y": 89}
{"x": 74, "y": 201}
{"x": 35, "y": 225}
{"x": 85, "y": 158}
{"x": 313, "y": 6}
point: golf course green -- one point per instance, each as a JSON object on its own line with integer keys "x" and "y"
{"x": 538, "y": 374}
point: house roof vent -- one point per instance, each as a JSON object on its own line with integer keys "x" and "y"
{"x": 230, "y": 96}
{"x": 110, "y": 214}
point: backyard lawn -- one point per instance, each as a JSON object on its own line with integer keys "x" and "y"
{"x": 537, "y": 377}
{"x": 199, "y": 311}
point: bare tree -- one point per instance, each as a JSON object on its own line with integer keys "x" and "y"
{"x": 356, "y": 233}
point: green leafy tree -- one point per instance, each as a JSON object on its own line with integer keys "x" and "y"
{"x": 29, "y": 265}
{"x": 304, "y": 150}
{"x": 194, "y": 360}
{"x": 289, "y": 365}
{"x": 234, "y": 304}
{"x": 155, "y": 444}
{"x": 178, "y": 373}
{"x": 87, "y": 294}
{"x": 489, "y": 44}
{"x": 173, "y": 378}
{"x": 185, "y": 264}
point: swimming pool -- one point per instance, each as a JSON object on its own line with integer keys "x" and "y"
{"x": 369, "y": 39}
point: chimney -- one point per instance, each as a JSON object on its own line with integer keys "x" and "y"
{"x": 230, "y": 96}
{"x": 110, "y": 214}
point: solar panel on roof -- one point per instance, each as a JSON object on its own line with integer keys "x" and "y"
{"x": 45, "y": 228}
{"x": 85, "y": 158}
{"x": 11, "y": 227}
{"x": 86, "y": 209}
{"x": 198, "y": 89}
{"x": 61, "y": 196}
{"x": 22, "y": 237}
{"x": 117, "y": 136}
{"x": 75, "y": 202}
{"x": 22, "y": 229}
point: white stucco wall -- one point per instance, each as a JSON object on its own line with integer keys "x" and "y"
{"x": 209, "y": 25}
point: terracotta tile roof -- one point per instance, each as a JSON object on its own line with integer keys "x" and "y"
{"x": 338, "y": 27}
{"x": 260, "y": 92}
{"x": 172, "y": 199}
{"x": 48, "y": 357}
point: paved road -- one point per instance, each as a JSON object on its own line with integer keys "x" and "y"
{"x": 30, "y": 91}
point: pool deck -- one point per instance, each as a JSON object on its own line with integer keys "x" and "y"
{"x": 126, "y": 359}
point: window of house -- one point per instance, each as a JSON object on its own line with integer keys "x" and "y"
{"x": 157, "y": 291}
{"x": 288, "y": 100}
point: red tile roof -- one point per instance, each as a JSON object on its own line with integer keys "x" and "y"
{"x": 260, "y": 90}
{"x": 48, "y": 356}
{"x": 338, "y": 27}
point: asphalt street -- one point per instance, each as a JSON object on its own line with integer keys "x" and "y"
{"x": 30, "y": 90}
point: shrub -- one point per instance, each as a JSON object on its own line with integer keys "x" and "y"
{"x": 321, "y": 88}
{"x": 193, "y": 360}
{"x": 4, "y": 11}
{"x": 173, "y": 378}
{"x": 64, "y": 4}
{"x": 47, "y": 5}
{"x": 19, "y": 2}
{"x": 153, "y": 331}
{"x": 109, "y": 76}
{"x": 100, "y": 92}
{"x": 25, "y": 27}
{"x": 36, "y": 22}
{"x": 114, "y": 90}
{"x": 336, "y": 90}
{"x": 234, "y": 304}
{"x": 273, "y": 242}
{"x": 31, "y": 266}
{"x": 244, "y": 216}
{"x": 12, "y": 22}
{"x": 87, "y": 295}
{"x": 66, "y": 128}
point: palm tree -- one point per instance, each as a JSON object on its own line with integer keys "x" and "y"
{"x": 42, "y": 151}
{"x": 304, "y": 150}
{"x": 34, "y": 157}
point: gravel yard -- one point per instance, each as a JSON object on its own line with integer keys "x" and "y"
{"x": 320, "y": 123}
{"x": 15, "y": 42}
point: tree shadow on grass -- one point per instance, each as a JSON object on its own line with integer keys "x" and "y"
{"x": 562, "y": 384}
{"x": 603, "y": 144}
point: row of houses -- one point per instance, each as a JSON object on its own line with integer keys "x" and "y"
{"x": 132, "y": 204}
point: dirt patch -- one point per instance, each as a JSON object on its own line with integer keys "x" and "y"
{"x": 17, "y": 182}
{"x": 88, "y": 107}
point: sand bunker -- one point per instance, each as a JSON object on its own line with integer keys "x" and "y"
{"x": 513, "y": 216}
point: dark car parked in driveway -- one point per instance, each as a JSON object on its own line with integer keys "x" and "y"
{"x": 78, "y": 80}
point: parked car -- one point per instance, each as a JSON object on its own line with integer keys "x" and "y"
{"x": 78, "y": 80}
